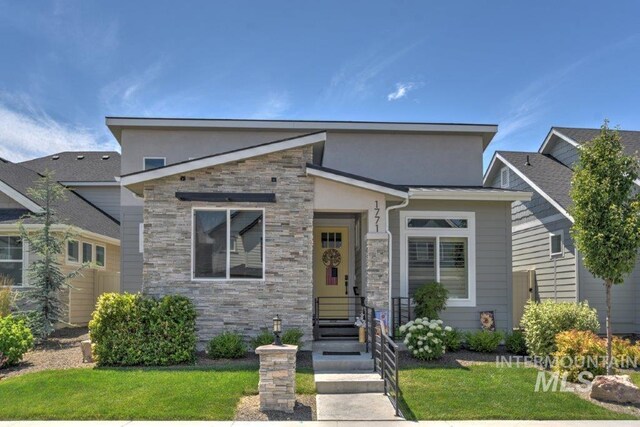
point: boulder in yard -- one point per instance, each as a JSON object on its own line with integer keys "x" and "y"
{"x": 615, "y": 388}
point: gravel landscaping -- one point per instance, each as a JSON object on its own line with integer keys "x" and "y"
{"x": 248, "y": 409}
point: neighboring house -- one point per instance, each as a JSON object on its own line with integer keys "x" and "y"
{"x": 254, "y": 218}
{"x": 541, "y": 226}
{"x": 84, "y": 212}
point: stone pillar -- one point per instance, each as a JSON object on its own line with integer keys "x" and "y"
{"x": 377, "y": 270}
{"x": 277, "y": 377}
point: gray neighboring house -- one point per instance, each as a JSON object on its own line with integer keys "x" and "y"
{"x": 541, "y": 238}
{"x": 306, "y": 219}
{"x": 85, "y": 212}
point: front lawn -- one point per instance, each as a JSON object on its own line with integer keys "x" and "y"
{"x": 133, "y": 394}
{"x": 484, "y": 391}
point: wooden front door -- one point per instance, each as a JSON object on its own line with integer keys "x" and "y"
{"x": 331, "y": 271}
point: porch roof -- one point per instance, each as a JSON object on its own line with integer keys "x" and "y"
{"x": 419, "y": 191}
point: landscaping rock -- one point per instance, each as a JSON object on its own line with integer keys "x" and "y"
{"x": 615, "y": 388}
{"x": 87, "y": 356}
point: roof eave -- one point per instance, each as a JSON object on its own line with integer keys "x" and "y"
{"x": 502, "y": 196}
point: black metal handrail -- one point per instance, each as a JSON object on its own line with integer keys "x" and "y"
{"x": 385, "y": 354}
{"x": 401, "y": 313}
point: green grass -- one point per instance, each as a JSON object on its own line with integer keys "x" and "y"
{"x": 485, "y": 391}
{"x": 137, "y": 394}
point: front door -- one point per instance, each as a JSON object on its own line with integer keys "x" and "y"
{"x": 331, "y": 271}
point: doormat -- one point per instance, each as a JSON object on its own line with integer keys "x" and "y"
{"x": 341, "y": 353}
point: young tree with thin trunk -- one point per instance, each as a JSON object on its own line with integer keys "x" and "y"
{"x": 606, "y": 213}
{"x": 45, "y": 274}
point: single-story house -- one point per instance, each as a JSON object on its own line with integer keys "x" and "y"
{"x": 310, "y": 219}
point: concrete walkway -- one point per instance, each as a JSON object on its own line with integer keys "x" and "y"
{"x": 319, "y": 423}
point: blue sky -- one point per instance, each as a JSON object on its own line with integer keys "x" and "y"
{"x": 525, "y": 66}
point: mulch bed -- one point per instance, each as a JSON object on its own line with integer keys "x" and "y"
{"x": 248, "y": 409}
{"x": 61, "y": 351}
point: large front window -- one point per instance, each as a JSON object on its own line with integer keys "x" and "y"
{"x": 228, "y": 244}
{"x": 11, "y": 259}
{"x": 439, "y": 247}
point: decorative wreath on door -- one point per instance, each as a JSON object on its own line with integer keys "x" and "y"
{"x": 331, "y": 257}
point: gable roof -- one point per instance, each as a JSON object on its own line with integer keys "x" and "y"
{"x": 116, "y": 124}
{"x": 577, "y": 136}
{"x": 75, "y": 210}
{"x": 130, "y": 180}
{"x": 79, "y": 166}
{"x": 547, "y": 176}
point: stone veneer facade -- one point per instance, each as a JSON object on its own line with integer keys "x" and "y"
{"x": 377, "y": 270}
{"x": 245, "y": 306}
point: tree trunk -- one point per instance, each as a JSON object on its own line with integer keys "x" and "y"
{"x": 608, "y": 285}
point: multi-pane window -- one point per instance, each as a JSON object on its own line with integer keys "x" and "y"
{"x": 87, "y": 252}
{"x": 228, "y": 244}
{"x": 437, "y": 249}
{"x": 11, "y": 258}
{"x": 73, "y": 251}
{"x": 331, "y": 240}
{"x": 100, "y": 256}
{"x": 555, "y": 244}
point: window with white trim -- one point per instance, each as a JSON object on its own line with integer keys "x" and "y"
{"x": 87, "y": 252}
{"x": 504, "y": 177}
{"x": 11, "y": 258}
{"x": 73, "y": 251}
{"x": 101, "y": 256}
{"x": 556, "y": 243}
{"x": 439, "y": 247}
{"x": 228, "y": 244}
{"x": 153, "y": 162}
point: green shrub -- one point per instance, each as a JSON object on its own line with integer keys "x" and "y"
{"x": 579, "y": 351}
{"x": 265, "y": 337}
{"x": 425, "y": 338}
{"x": 6, "y": 299}
{"x": 543, "y": 321}
{"x": 453, "y": 339}
{"x": 483, "y": 341}
{"x": 430, "y": 300}
{"x": 515, "y": 343}
{"x": 293, "y": 337}
{"x": 228, "y": 345}
{"x": 131, "y": 329}
{"x": 15, "y": 339}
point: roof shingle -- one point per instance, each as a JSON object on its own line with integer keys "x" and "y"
{"x": 85, "y": 166}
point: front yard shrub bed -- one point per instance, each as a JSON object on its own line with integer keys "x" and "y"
{"x": 515, "y": 343}
{"x": 483, "y": 341}
{"x": 131, "y": 329}
{"x": 15, "y": 340}
{"x": 228, "y": 345}
{"x": 542, "y": 321}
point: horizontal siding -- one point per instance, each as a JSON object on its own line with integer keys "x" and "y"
{"x": 493, "y": 260}
{"x": 564, "y": 152}
{"x": 555, "y": 278}
{"x": 624, "y": 300}
{"x": 105, "y": 198}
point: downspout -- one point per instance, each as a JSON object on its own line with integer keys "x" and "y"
{"x": 404, "y": 203}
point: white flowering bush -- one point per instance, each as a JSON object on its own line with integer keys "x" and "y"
{"x": 424, "y": 338}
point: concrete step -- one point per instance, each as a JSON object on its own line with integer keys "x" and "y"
{"x": 338, "y": 345}
{"x": 357, "y": 407}
{"x": 322, "y": 363}
{"x": 338, "y": 331}
{"x": 348, "y": 382}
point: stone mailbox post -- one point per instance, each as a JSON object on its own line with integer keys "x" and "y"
{"x": 277, "y": 377}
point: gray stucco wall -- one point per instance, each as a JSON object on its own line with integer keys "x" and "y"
{"x": 105, "y": 198}
{"x": 493, "y": 260}
{"x": 240, "y": 305}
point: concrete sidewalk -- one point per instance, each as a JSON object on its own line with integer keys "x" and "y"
{"x": 489, "y": 423}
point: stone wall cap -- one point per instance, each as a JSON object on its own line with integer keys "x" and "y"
{"x": 271, "y": 348}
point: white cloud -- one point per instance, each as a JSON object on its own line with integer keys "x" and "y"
{"x": 402, "y": 89}
{"x": 276, "y": 104}
{"x": 124, "y": 92}
{"x": 27, "y": 132}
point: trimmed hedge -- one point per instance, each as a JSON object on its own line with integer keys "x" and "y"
{"x": 131, "y": 329}
{"x": 484, "y": 341}
{"x": 15, "y": 340}
{"x": 227, "y": 345}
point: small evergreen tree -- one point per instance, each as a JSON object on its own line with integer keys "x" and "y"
{"x": 45, "y": 273}
{"x": 606, "y": 213}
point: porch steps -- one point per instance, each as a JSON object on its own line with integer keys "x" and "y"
{"x": 348, "y": 382}
{"x": 342, "y": 363}
{"x": 338, "y": 332}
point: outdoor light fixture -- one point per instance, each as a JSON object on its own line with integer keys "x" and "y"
{"x": 277, "y": 329}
